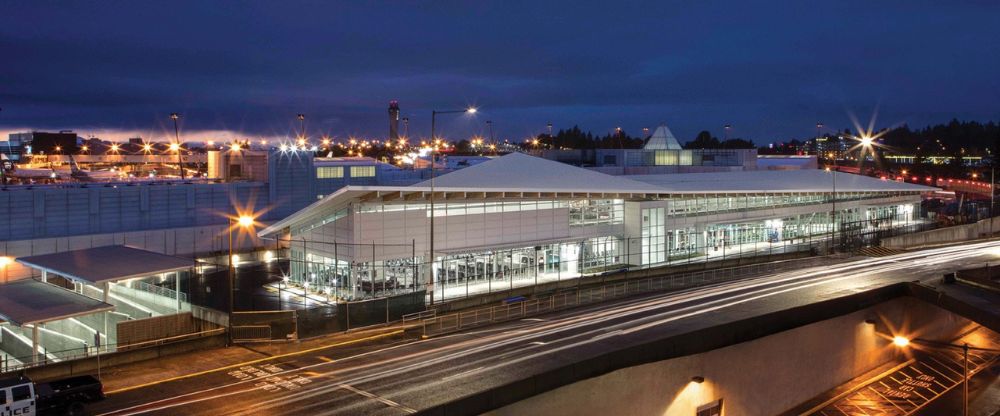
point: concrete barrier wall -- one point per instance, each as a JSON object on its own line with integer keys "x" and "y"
{"x": 965, "y": 232}
{"x": 89, "y": 365}
{"x": 761, "y": 377}
{"x": 938, "y": 236}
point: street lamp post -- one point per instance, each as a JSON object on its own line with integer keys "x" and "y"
{"x": 177, "y": 139}
{"x": 901, "y": 341}
{"x": 243, "y": 221}
{"x": 993, "y": 195}
{"x": 302, "y": 126}
{"x": 489, "y": 123}
{"x": 430, "y": 263}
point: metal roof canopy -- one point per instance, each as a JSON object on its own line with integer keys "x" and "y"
{"x": 106, "y": 264}
{"x": 28, "y": 301}
{"x": 519, "y": 176}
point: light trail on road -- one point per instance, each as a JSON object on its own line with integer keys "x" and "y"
{"x": 407, "y": 377}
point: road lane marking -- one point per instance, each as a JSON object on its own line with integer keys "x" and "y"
{"x": 377, "y": 397}
{"x": 251, "y": 362}
{"x": 463, "y": 373}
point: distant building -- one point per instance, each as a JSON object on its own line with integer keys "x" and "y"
{"x": 40, "y": 142}
{"x": 662, "y": 139}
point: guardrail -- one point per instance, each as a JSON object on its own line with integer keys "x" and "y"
{"x": 252, "y": 333}
{"x": 430, "y": 313}
{"x": 159, "y": 290}
{"x": 576, "y": 297}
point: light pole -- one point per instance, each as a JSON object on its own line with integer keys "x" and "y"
{"x": 489, "y": 123}
{"x": 726, "y": 129}
{"x": 901, "y": 341}
{"x": 244, "y": 222}
{"x": 430, "y": 263}
{"x": 177, "y": 141}
{"x": 552, "y": 140}
{"x": 302, "y": 126}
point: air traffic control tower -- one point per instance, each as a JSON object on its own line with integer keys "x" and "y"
{"x": 394, "y": 120}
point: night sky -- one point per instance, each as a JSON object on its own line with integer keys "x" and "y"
{"x": 771, "y": 69}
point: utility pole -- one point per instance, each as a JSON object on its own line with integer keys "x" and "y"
{"x": 302, "y": 126}
{"x": 430, "y": 263}
{"x": 177, "y": 139}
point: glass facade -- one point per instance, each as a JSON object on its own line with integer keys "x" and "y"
{"x": 714, "y": 204}
{"x": 666, "y": 235}
{"x": 653, "y": 235}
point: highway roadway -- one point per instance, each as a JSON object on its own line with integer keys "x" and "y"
{"x": 411, "y": 375}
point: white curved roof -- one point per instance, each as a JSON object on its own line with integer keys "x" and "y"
{"x": 806, "y": 180}
{"x": 520, "y": 172}
{"x": 518, "y": 175}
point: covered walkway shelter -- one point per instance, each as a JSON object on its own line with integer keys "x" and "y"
{"x": 102, "y": 266}
{"x": 132, "y": 286}
{"x": 28, "y": 303}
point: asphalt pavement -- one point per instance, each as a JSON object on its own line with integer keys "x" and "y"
{"x": 410, "y": 376}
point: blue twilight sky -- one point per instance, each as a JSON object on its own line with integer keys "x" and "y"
{"x": 771, "y": 69}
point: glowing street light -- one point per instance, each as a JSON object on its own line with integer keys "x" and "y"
{"x": 900, "y": 341}
{"x": 114, "y": 148}
{"x": 244, "y": 222}
{"x": 434, "y": 113}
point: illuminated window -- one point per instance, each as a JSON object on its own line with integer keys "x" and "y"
{"x": 362, "y": 171}
{"x": 665, "y": 158}
{"x": 329, "y": 172}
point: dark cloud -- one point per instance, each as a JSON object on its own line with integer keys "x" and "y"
{"x": 772, "y": 69}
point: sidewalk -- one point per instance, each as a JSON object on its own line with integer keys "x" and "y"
{"x": 144, "y": 373}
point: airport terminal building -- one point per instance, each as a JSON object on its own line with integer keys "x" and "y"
{"x": 519, "y": 219}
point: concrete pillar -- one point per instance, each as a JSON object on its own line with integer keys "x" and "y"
{"x": 107, "y": 291}
{"x": 35, "y": 343}
{"x": 45, "y": 276}
{"x": 177, "y": 288}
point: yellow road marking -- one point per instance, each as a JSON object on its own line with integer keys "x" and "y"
{"x": 251, "y": 362}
